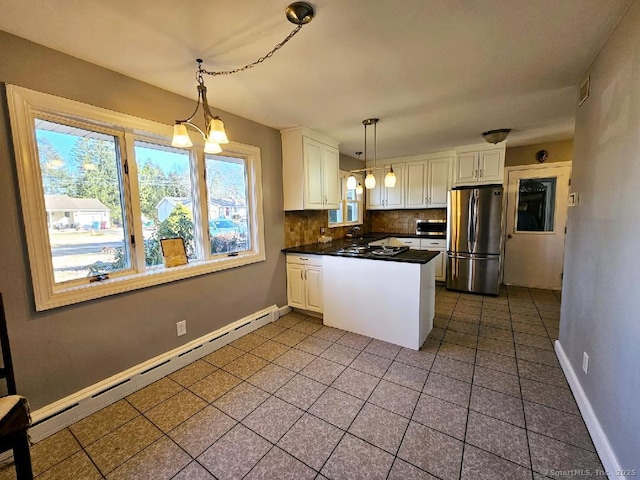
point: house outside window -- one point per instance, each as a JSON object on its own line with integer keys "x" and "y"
{"x": 100, "y": 189}
{"x": 350, "y": 211}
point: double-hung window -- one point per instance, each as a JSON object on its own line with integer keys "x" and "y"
{"x": 100, "y": 191}
{"x": 350, "y": 210}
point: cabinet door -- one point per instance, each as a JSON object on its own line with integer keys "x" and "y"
{"x": 313, "y": 181}
{"x": 439, "y": 182}
{"x": 416, "y": 186}
{"x": 491, "y": 166}
{"x": 313, "y": 277}
{"x": 376, "y": 197}
{"x": 441, "y": 273}
{"x": 466, "y": 167}
{"x": 331, "y": 177}
{"x": 296, "y": 285}
{"x": 395, "y": 195}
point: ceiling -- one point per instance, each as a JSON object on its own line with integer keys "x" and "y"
{"x": 436, "y": 72}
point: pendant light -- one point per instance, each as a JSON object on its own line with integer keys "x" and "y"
{"x": 214, "y": 135}
{"x": 352, "y": 182}
{"x": 390, "y": 178}
{"x": 370, "y": 179}
{"x": 359, "y": 189}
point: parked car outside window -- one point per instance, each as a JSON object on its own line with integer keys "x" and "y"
{"x": 223, "y": 226}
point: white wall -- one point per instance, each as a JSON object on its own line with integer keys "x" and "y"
{"x": 601, "y": 291}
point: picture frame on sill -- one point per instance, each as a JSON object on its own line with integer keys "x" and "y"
{"x": 174, "y": 252}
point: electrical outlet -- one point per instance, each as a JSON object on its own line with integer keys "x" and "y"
{"x": 585, "y": 362}
{"x": 181, "y": 328}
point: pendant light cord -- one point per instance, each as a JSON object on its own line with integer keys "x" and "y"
{"x": 258, "y": 61}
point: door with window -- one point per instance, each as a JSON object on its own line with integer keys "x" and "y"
{"x": 536, "y": 222}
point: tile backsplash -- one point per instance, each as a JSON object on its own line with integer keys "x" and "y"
{"x": 302, "y": 227}
{"x": 401, "y": 221}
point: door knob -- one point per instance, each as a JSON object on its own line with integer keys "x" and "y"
{"x": 509, "y": 236}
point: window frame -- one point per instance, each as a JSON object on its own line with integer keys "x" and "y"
{"x": 25, "y": 105}
{"x": 344, "y": 201}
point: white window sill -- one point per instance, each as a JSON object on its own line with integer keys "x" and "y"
{"x": 66, "y": 295}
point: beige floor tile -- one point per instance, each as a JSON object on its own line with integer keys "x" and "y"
{"x": 153, "y": 394}
{"x": 91, "y": 428}
{"x": 213, "y": 386}
{"x": 160, "y": 461}
{"x": 170, "y": 413}
{"x": 202, "y": 430}
{"x": 78, "y": 466}
{"x": 192, "y": 373}
{"x": 53, "y": 450}
{"x": 114, "y": 449}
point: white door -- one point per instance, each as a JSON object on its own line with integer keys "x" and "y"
{"x": 331, "y": 178}
{"x": 395, "y": 195}
{"x": 491, "y": 166}
{"x": 296, "y": 285}
{"x": 376, "y": 196}
{"x": 313, "y": 174}
{"x": 439, "y": 182}
{"x": 466, "y": 167}
{"x": 536, "y": 221}
{"x": 416, "y": 188}
{"x": 313, "y": 277}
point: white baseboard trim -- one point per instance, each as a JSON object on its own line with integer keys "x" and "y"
{"x": 600, "y": 440}
{"x": 282, "y": 311}
{"x": 58, "y": 415}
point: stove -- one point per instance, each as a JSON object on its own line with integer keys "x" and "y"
{"x": 365, "y": 251}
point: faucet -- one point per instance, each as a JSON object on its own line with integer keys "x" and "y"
{"x": 353, "y": 231}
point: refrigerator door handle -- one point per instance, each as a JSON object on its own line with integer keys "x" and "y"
{"x": 470, "y": 232}
{"x": 468, "y": 257}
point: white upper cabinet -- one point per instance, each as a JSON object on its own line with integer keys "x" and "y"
{"x": 387, "y": 198}
{"x": 427, "y": 182}
{"x": 479, "y": 165}
{"x": 310, "y": 170}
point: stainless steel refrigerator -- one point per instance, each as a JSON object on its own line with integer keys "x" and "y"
{"x": 474, "y": 239}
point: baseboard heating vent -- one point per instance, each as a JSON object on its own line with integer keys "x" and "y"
{"x": 66, "y": 411}
{"x": 108, "y": 389}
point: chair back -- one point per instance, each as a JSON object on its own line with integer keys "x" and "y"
{"x": 6, "y": 371}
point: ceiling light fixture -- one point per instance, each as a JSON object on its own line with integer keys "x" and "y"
{"x": 298, "y": 13}
{"x": 496, "y": 136}
{"x": 370, "y": 179}
{"x": 352, "y": 182}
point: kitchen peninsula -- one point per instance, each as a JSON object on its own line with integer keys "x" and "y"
{"x": 380, "y": 292}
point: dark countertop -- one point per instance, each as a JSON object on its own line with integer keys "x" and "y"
{"x": 331, "y": 248}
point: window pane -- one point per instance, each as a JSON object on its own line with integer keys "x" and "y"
{"x": 536, "y": 205}
{"x": 335, "y": 216}
{"x": 352, "y": 212}
{"x": 227, "y": 191}
{"x": 81, "y": 179}
{"x": 351, "y": 194}
{"x": 166, "y": 200}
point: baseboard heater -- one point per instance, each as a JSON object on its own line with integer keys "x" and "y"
{"x": 54, "y": 417}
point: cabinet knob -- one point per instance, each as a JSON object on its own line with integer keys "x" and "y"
{"x": 475, "y": 174}
{"x": 480, "y": 173}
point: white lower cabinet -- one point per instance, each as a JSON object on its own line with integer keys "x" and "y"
{"x": 304, "y": 282}
{"x": 441, "y": 260}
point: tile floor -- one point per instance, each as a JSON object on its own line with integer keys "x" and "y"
{"x": 484, "y": 399}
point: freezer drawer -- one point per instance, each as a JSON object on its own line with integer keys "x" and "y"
{"x": 477, "y": 274}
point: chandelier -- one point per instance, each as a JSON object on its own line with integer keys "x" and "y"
{"x": 370, "y": 179}
{"x": 214, "y": 134}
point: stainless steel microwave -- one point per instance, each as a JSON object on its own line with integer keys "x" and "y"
{"x": 431, "y": 228}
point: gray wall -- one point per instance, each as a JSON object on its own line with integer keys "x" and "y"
{"x": 61, "y": 351}
{"x": 350, "y": 163}
{"x": 601, "y": 291}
